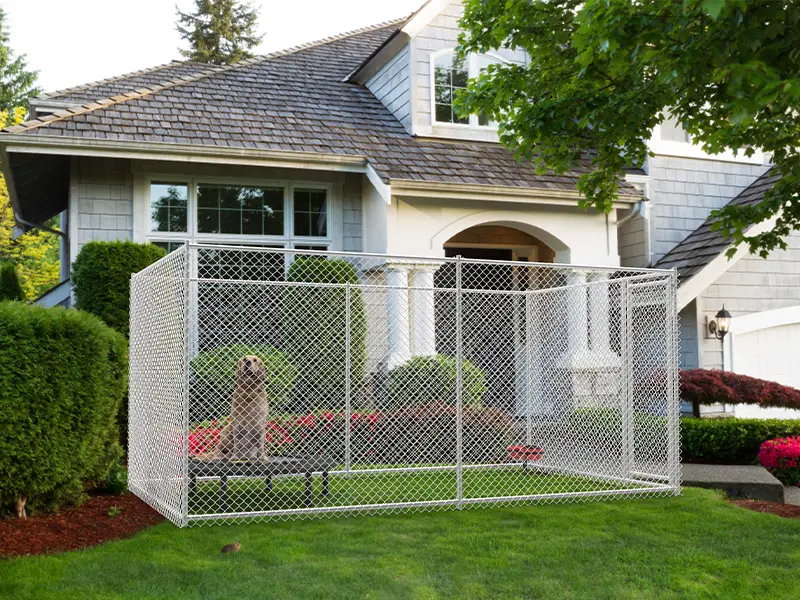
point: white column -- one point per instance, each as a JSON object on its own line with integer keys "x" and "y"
{"x": 600, "y": 330}
{"x": 397, "y": 304}
{"x": 423, "y": 317}
{"x": 577, "y": 315}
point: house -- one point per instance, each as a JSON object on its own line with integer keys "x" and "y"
{"x": 342, "y": 147}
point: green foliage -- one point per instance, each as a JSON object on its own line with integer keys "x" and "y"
{"x": 214, "y": 379}
{"x": 64, "y": 374}
{"x": 10, "y": 285}
{"x": 603, "y": 73}
{"x": 426, "y": 379}
{"x": 735, "y": 441}
{"x": 219, "y": 31}
{"x": 314, "y": 334}
{"x": 101, "y": 278}
{"x": 116, "y": 481}
{"x": 17, "y": 83}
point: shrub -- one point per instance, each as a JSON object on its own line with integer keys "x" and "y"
{"x": 214, "y": 378}
{"x": 314, "y": 336}
{"x": 101, "y": 278}
{"x": 701, "y": 386}
{"x": 781, "y": 457}
{"x": 10, "y": 285}
{"x": 601, "y": 429}
{"x": 428, "y": 379}
{"x": 734, "y": 441}
{"x": 63, "y": 376}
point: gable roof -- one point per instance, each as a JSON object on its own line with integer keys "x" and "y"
{"x": 292, "y": 101}
{"x": 701, "y": 247}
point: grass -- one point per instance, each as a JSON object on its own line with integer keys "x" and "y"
{"x": 388, "y": 487}
{"x": 694, "y": 546}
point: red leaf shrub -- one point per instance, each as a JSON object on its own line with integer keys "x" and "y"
{"x": 781, "y": 457}
{"x": 703, "y": 386}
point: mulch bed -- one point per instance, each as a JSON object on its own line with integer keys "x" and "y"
{"x": 782, "y": 510}
{"x": 74, "y": 528}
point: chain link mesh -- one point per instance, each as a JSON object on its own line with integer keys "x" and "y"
{"x": 272, "y": 383}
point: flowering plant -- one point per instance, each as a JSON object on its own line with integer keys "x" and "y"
{"x": 781, "y": 457}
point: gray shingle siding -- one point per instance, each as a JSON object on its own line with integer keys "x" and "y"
{"x": 392, "y": 86}
{"x": 632, "y": 243}
{"x": 105, "y": 200}
{"x": 684, "y": 191}
{"x": 688, "y": 337}
{"x": 752, "y": 285}
{"x": 353, "y": 213}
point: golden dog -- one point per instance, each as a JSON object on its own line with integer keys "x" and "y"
{"x": 243, "y": 438}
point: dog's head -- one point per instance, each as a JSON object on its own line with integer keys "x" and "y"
{"x": 250, "y": 372}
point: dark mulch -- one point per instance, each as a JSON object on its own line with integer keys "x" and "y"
{"x": 782, "y": 510}
{"x": 74, "y": 528}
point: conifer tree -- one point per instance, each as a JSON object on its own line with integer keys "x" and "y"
{"x": 219, "y": 31}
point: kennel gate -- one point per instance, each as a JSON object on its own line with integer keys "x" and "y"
{"x": 398, "y": 383}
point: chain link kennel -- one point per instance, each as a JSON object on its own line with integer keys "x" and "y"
{"x": 389, "y": 383}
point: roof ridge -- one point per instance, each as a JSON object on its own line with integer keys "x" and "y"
{"x": 86, "y": 86}
{"x": 182, "y": 79}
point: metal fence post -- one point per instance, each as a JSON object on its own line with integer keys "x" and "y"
{"x": 190, "y": 314}
{"x": 459, "y": 386}
{"x": 626, "y": 404}
{"x": 347, "y": 359}
{"x": 529, "y": 369}
{"x": 673, "y": 392}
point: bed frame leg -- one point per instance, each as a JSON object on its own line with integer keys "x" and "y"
{"x": 309, "y": 490}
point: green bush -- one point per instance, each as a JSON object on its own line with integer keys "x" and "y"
{"x": 601, "y": 429}
{"x": 425, "y": 379}
{"x": 63, "y": 375}
{"x": 314, "y": 333}
{"x": 734, "y": 441}
{"x": 213, "y": 379}
{"x": 101, "y": 278}
{"x": 10, "y": 285}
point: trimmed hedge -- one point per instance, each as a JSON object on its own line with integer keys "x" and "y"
{"x": 63, "y": 375}
{"x": 10, "y": 284}
{"x": 735, "y": 441}
{"x": 703, "y": 386}
{"x": 213, "y": 379}
{"x": 101, "y": 278}
{"x": 426, "y": 379}
{"x": 314, "y": 338}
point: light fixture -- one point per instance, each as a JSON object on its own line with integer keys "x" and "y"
{"x": 722, "y": 325}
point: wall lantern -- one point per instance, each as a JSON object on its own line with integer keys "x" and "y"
{"x": 722, "y": 325}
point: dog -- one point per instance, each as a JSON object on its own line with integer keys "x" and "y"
{"x": 243, "y": 438}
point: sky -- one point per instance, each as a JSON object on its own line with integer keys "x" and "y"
{"x": 72, "y": 43}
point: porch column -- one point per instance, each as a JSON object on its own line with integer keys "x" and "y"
{"x": 599, "y": 327}
{"x": 397, "y": 314}
{"x": 423, "y": 317}
{"x": 577, "y": 315}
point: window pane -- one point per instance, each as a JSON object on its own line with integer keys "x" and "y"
{"x": 168, "y": 203}
{"x": 168, "y": 246}
{"x": 449, "y": 74}
{"x": 240, "y": 210}
{"x": 310, "y": 212}
{"x": 459, "y": 74}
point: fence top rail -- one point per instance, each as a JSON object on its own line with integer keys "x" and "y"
{"x": 421, "y": 259}
{"x": 174, "y": 255}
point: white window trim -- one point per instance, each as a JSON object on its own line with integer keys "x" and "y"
{"x": 143, "y": 232}
{"x": 472, "y": 72}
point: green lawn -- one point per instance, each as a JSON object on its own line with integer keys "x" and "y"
{"x": 695, "y": 546}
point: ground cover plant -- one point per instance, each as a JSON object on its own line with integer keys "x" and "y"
{"x": 694, "y": 546}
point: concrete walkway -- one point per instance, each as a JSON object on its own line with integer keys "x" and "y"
{"x": 735, "y": 480}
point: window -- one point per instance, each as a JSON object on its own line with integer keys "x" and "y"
{"x": 281, "y": 214}
{"x": 169, "y": 206}
{"x": 450, "y": 74}
{"x": 239, "y": 210}
{"x": 310, "y": 212}
{"x": 672, "y": 131}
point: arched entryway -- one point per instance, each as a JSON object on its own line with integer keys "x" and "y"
{"x": 493, "y": 347}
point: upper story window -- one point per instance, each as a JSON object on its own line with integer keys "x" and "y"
{"x": 673, "y": 131}
{"x": 450, "y": 74}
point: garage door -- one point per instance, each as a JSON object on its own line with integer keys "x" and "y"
{"x": 772, "y": 353}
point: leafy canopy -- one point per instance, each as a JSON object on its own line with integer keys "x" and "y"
{"x": 17, "y": 84}
{"x": 603, "y": 73}
{"x": 219, "y": 31}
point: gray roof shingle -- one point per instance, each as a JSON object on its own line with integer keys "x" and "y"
{"x": 295, "y": 100}
{"x": 703, "y": 245}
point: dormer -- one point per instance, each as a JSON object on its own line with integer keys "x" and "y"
{"x": 416, "y": 73}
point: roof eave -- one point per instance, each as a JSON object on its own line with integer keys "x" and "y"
{"x": 30, "y": 144}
